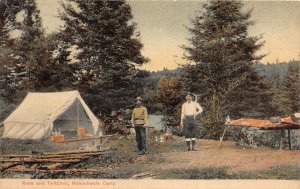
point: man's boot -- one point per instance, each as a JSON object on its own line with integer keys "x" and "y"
{"x": 188, "y": 143}
{"x": 193, "y": 145}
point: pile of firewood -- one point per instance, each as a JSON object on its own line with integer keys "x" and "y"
{"x": 48, "y": 162}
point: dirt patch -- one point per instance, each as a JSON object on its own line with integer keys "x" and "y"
{"x": 229, "y": 155}
{"x": 168, "y": 160}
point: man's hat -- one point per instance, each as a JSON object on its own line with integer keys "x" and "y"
{"x": 189, "y": 94}
{"x": 139, "y": 98}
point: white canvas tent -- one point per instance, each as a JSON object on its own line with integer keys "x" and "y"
{"x": 40, "y": 113}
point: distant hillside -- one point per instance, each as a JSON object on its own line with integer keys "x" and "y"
{"x": 166, "y": 72}
{"x": 276, "y": 71}
{"x": 272, "y": 70}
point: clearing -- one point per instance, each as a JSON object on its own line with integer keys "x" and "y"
{"x": 167, "y": 160}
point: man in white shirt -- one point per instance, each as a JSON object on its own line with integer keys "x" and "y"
{"x": 189, "y": 111}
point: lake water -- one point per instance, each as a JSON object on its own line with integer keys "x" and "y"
{"x": 155, "y": 121}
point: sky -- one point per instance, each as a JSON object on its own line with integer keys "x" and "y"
{"x": 162, "y": 26}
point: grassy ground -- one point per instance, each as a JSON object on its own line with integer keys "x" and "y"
{"x": 170, "y": 160}
{"x": 279, "y": 173}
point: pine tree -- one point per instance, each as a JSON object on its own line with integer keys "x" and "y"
{"x": 36, "y": 66}
{"x": 28, "y": 44}
{"x": 29, "y": 58}
{"x": 4, "y": 31}
{"x": 286, "y": 98}
{"x": 108, "y": 55}
{"x": 8, "y": 76}
{"x": 8, "y": 12}
{"x": 223, "y": 55}
{"x": 293, "y": 88}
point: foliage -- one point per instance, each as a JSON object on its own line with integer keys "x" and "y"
{"x": 213, "y": 119}
{"x": 147, "y": 87}
{"x": 222, "y": 56}
{"x": 171, "y": 96}
{"x": 28, "y": 58}
{"x": 8, "y": 11}
{"x": 286, "y": 96}
{"x": 108, "y": 51}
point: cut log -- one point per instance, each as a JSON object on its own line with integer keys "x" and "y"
{"x": 70, "y": 157}
{"x": 142, "y": 175}
{"x": 74, "y": 156}
{"x": 90, "y": 138}
{"x": 56, "y": 165}
{"x": 18, "y": 167}
{"x": 66, "y": 156}
{"x": 56, "y": 170}
{"x": 34, "y": 166}
{"x": 14, "y": 156}
{"x": 43, "y": 160}
{"x": 76, "y": 152}
{"x": 8, "y": 165}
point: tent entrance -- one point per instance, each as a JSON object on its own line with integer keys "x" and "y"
{"x": 41, "y": 113}
{"x": 72, "y": 119}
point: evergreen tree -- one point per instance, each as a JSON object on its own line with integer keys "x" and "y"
{"x": 108, "y": 53}
{"x": 223, "y": 55}
{"x": 286, "y": 100}
{"x": 4, "y": 31}
{"x": 8, "y": 76}
{"x": 146, "y": 87}
{"x": 28, "y": 59}
{"x": 28, "y": 44}
{"x": 293, "y": 88}
{"x": 36, "y": 66}
{"x": 8, "y": 12}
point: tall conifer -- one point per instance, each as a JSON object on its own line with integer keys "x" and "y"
{"x": 222, "y": 56}
{"x": 108, "y": 50}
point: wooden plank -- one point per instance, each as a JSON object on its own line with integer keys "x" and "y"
{"x": 14, "y": 156}
{"x": 43, "y": 160}
{"x": 69, "y": 155}
{"x": 34, "y": 166}
{"x": 80, "y": 156}
{"x": 265, "y": 124}
{"x": 8, "y": 165}
{"x": 142, "y": 175}
{"x": 90, "y": 138}
{"x": 75, "y": 152}
{"x": 56, "y": 165}
{"x": 57, "y": 170}
{"x": 18, "y": 167}
{"x": 76, "y": 155}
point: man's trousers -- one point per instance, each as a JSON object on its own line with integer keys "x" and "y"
{"x": 189, "y": 128}
{"x": 140, "y": 132}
